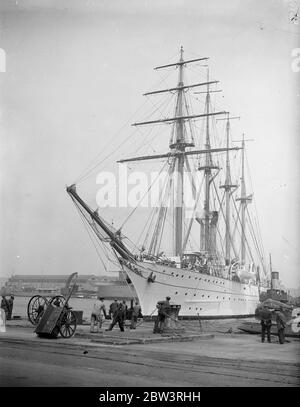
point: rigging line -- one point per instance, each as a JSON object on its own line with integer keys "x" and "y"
{"x": 235, "y": 224}
{"x": 255, "y": 207}
{"x": 256, "y": 220}
{"x": 220, "y": 237}
{"x": 98, "y": 236}
{"x": 89, "y": 173}
{"x": 81, "y": 215}
{"x": 240, "y": 233}
{"x": 161, "y": 233}
{"x": 195, "y": 71}
{"x": 189, "y": 227}
{"x": 189, "y": 112}
{"x": 249, "y": 247}
{"x": 163, "y": 76}
{"x": 158, "y": 108}
{"x": 162, "y": 209}
{"x": 252, "y": 231}
{"x": 147, "y": 144}
{"x": 117, "y": 132}
{"x": 259, "y": 253}
{"x": 143, "y": 196}
{"x": 144, "y": 228}
{"x": 255, "y": 246}
{"x": 222, "y": 211}
{"x": 107, "y": 145}
{"x": 155, "y": 210}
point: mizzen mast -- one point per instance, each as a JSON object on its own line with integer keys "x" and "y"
{"x": 244, "y": 200}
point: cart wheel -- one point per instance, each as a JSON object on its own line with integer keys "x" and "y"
{"x": 36, "y": 308}
{"x": 58, "y": 300}
{"x": 68, "y": 324}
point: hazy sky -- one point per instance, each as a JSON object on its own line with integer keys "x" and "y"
{"x": 75, "y": 72}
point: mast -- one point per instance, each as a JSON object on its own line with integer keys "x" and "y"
{"x": 228, "y": 186}
{"x": 177, "y": 150}
{"x": 244, "y": 200}
{"x": 227, "y": 198}
{"x": 207, "y": 173}
{"x": 208, "y": 166}
{"x": 179, "y": 145}
{"x": 243, "y": 203}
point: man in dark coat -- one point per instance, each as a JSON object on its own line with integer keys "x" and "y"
{"x": 113, "y": 307}
{"x": 10, "y": 306}
{"x": 5, "y": 306}
{"x": 162, "y": 313}
{"x": 281, "y": 324}
{"x": 119, "y": 317}
{"x": 266, "y": 323}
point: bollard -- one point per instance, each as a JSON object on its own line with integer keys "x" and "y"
{"x": 171, "y": 325}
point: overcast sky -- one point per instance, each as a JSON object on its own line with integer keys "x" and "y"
{"x": 75, "y": 72}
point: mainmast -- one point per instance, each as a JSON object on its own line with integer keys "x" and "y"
{"x": 207, "y": 174}
{"x": 180, "y": 145}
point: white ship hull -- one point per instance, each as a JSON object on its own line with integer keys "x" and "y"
{"x": 198, "y": 294}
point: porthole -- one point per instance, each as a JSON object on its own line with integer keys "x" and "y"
{"x": 202, "y": 295}
{"x": 177, "y": 275}
{"x": 182, "y": 276}
{"x": 194, "y": 295}
{"x": 176, "y": 292}
{"x": 185, "y": 294}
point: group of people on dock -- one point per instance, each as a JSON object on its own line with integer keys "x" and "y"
{"x": 266, "y": 316}
{"x": 118, "y": 312}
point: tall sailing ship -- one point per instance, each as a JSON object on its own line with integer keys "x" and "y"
{"x": 217, "y": 273}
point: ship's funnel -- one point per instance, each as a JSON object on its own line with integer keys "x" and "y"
{"x": 275, "y": 284}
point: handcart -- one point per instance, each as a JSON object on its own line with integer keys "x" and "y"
{"x": 57, "y": 316}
